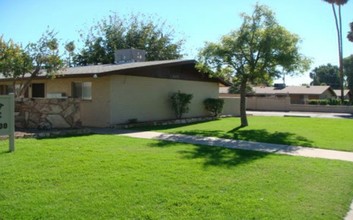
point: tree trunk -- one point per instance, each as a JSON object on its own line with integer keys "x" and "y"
{"x": 340, "y": 42}
{"x": 24, "y": 87}
{"x": 341, "y": 78}
{"x": 243, "y": 118}
{"x": 338, "y": 21}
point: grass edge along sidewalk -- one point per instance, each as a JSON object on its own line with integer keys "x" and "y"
{"x": 245, "y": 145}
{"x": 324, "y": 133}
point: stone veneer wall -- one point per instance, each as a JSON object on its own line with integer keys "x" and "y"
{"x": 47, "y": 113}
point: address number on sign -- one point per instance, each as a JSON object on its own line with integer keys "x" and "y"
{"x": 3, "y": 125}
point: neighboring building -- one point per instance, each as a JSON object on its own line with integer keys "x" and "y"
{"x": 347, "y": 94}
{"x": 225, "y": 93}
{"x": 297, "y": 94}
{"x": 224, "y": 90}
{"x": 114, "y": 94}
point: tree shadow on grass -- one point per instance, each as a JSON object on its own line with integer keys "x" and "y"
{"x": 5, "y": 152}
{"x": 224, "y": 157}
{"x": 61, "y": 136}
{"x": 214, "y": 155}
{"x": 255, "y": 135}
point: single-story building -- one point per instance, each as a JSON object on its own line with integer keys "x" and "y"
{"x": 225, "y": 93}
{"x": 118, "y": 93}
{"x": 346, "y": 94}
{"x": 297, "y": 94}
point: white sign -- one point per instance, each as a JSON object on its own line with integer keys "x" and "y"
{"x": 5, "y": 115}
{"x": 7, "y": 118}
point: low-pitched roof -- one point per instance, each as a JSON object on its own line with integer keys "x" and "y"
{"x": 298, "y": 90}
{"x": 126, "y": 68}
{"x": 106, "y": 68}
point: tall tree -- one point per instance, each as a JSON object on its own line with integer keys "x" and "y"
{"x": 70, "y": 48}
{"x": 326, "y": 74}
{"x": 137, "y": 31}
{"x": 348, "y": 64}
{"x": 254, "y": 53}
{"x": 338, "y": 22}
{"x": 350, "y": 32}
{"x": 24, "y": 64}
{"x": 348, "y": 70}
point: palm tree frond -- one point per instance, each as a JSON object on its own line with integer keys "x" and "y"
{"x": 340, "y": 2}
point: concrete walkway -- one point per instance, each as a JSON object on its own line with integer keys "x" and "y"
{"x": 349, "y": 215}
{"x": 245, "y": 145}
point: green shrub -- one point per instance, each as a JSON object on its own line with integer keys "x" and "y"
{"x": 334, "y": 102}
{"x": 313, "y": 102}
{"x": 180, "y": 103}
{"x": 318, "y": 102}
{"x": 214, "y": 106}
{"x": 327, "y": 102}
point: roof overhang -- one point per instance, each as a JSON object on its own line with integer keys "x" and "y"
{"x": 123, "y": 69}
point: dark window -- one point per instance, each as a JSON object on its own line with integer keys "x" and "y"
{"x": 82, "y": 90}
{"x": 38, "y": 90}
{"x": 4, "y": 89}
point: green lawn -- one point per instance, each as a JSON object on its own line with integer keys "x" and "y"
{"x": 112, "y": 177}
{"x": 310, "y": 132}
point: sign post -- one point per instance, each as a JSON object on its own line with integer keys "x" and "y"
{"x": 7, "y": 118}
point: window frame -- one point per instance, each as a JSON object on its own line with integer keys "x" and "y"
{"x": 82, "y": 90}
{"x": 35, "y": 90}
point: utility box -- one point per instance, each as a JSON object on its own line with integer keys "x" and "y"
{"x": 129, "y": 56}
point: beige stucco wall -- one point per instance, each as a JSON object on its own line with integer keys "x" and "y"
{"x": 268, "y": 103}
{"x": 147, "y": 99}
{"x": 118, "y": 98}
{"x": 95, "y": 112}
{"x": 327, "y": 95}
{"x": 231, "y": 106}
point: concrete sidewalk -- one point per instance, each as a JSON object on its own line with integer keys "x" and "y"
{"x": 244, "y": 145}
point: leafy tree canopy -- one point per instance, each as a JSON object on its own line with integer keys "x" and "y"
{"x": 348, "y": 70}
{"x": 255, "y": 53}
{"x": 137, "y": 31}
{"x": 350, "y": 33}
{"x": 24, "y": 64}
{"x": 326, "y": 75}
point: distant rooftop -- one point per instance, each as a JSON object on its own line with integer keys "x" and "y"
{"x": 299, "y": 90}
{"x": 338, "y": 92}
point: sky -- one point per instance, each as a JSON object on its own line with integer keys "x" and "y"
{"x": 197, "y": 21}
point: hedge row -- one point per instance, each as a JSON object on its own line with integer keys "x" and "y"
{"x": 328, "y": 102}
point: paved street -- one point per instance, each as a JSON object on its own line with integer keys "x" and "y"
{"x": 301, "y": 114}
